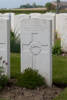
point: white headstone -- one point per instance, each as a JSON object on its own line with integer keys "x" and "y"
{"x": 36, "y": 46}
{"x": 35, "y": 15}
{"x": 5, "y": 45}
{"x": 64, "y": 33}
{"x": 17, "y": 21}
{"x": 59, "y": 25}
{"x": 52, "y": 17}
{"x": 6, "y": 15}
{"x": 12, "y": 21}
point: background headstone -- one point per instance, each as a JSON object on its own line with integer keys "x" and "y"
{"x": 64, "y": 33}
{"x": 5, "y": 45}
{"x": 17, "y": 21}
{"x": 51, "y": 16}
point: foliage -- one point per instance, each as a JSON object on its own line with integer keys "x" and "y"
{"x": 19, "y": 11}
{"x": 57, "y": 48}
{"x": 34, "y": 5}
{"x": 3, "y": 79}
{"x": 26, "y": 6}
{"x": 30, "y": 79}
{"x": 49, "y": 6}
{"x": 14, "y": 43}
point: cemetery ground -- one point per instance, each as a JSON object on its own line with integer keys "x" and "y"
{"x": 57, "y": 92}
{"x": 59, "y": 80}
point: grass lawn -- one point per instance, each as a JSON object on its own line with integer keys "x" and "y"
{"x": 62, "y": 96}
{"x": 3, "y": 99}
{"x": 59, "y": 71}
{"x": 59, "y": 68}
{"x": 15, "y": 64}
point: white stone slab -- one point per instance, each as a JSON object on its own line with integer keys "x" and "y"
{"x": 36, "y": 46}
{"x": 35, "y": 15}
{"x": 5, "y": 45}
{"x": 59, "y": 24}
{"x": 64, "y": 33}
{"x": 52, "y": 17}
{"x": 17, "y": 21}
{"x": 12, "y": 21}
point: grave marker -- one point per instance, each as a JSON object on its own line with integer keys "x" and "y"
{"x": 5, "y": 45}
{"x": 36, "y": 46}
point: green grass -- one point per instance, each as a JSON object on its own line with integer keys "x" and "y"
{"x": 59, "y": 71}
{"x": 3, "y": 99}
{"x": 58, "y": 42}
{"x": 15, "y": 64}
{"x": 59, "y": 68}
{"x": 19, "y": 11}
{"x": 62, "y": 96}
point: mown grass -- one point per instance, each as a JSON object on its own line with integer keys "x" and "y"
{"x": 15, "y": 64}
{"x": 3, "y": 99}
{"x": 59, "y": 68}
{"x": 62, "y": 96}
{"x": 19, "y": 11}
{"x": 59, "y": 71}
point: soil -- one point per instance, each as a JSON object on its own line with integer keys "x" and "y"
{"x": 18, "y": 93}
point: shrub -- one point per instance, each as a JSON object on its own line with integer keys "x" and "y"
{"x": 30, "y": 79}
{"x": 3, "y": 79}
{"x": 14, "y": 43}
{"x": 57, "y": 48}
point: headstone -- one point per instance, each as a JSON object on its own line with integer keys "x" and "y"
{"x": 36, "y": 46}
{"x": 52, "y": 17}
{"x": 17, "y": 21}
{"x": 6, "y": 15}
{"x": 12, "y": 21}
{"x": 64, "y": 33}
{"x": 59, "y": 19}
{"x": 35, "y": 15}
{"x": 49, "y": 16}
{"x": 5, "y": 45}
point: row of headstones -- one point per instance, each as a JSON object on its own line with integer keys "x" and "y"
{"x": 20, "y": 17}
{"x": 37, "y": 34}
{"x": 15, "y": 21}
{"x": 59, "y": 24}
{"x": 36, "y": 45}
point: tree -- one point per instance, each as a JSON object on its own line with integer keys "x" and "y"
{"x": 26, "y": 6}
{"x": 49, "y": 6}
{"x": 34, "y": 5}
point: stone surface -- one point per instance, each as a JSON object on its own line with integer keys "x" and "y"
{"x": 17, "y": 21}
{"x": 12, "y": 21}
{"x": 64, "y": 33}
{"x": 61, "y": 23}
{"x": 5, "y": 45}
{"x": 36, "y": 46}
{"x": 51, "y": 16}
